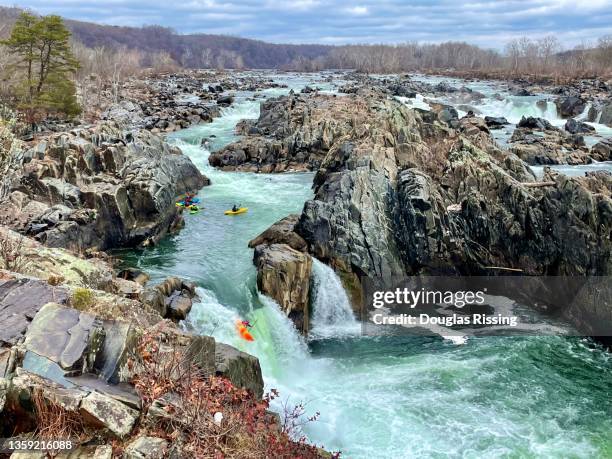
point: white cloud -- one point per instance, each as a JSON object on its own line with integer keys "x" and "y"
{"x": 358, "y": 10}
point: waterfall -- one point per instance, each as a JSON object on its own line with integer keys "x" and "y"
{"x": 332, "y": 311}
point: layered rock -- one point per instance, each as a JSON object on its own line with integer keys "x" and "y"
{"x": 410, "y": 192}
{"x": 283, "y": 274}
{"x": 101, "y": 188}
{"x": 292, "y": 132}
{"x": 537, "y": 142}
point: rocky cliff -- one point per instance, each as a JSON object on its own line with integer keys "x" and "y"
{"x": 406, "y": 192}
{"x": 100, "y": 187}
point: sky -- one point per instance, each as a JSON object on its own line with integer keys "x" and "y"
{"x": 488, "y": 23}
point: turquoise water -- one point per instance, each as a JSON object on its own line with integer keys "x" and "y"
{"x": 379, "y": 397}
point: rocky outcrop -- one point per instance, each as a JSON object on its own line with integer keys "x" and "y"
{"x": 172, "y": 298}
{"x": 282, "y": 232}
{"x": 570, "y": 106}
{"x": 240, "y": 368}
{"x": 82, "y": 365}
{"x": 577, "y": 127}
{"x": 293, "y": 132}
{"x": 101, "y": 188}
{"x": 602, "y": 151}
{"x": 411, "y": 193}
{"x": 537, "y": 142}
{"x": 283, "y": 274}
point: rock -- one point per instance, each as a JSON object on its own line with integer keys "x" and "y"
{"x": 134, "y": 275}
{"x": 179, "y": 306}
{"x": 20, "y": 301}
{"x": 284, "y": 275}
{"x": 570, "y": 106}
{"x": 70, "y": 338}
{"x": 602, "y": 151}
{"x": 576, "y": 127}
{"x": 531, "y": 122}
{"x": 549, "y": 147}
{"x": 495, "y": 122}
{"x": 521, "y": 92}
{"x": 282, "y": 232}
{"x": 120, "y": 339}
{"x": 4, "y": 385}
{"x": 146, "y": 448}
{"x": 606, "y": 114}
{"x": 225, "y": 100}
{"x": 240, "y": 368}
{"x": 104, "y": 411}
{"x": 103, "y": 187}
{"x": 173, "y": 298}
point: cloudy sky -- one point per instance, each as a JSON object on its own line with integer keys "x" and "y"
{"x": 488, "y": 23}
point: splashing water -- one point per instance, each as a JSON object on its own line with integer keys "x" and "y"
{"x": 332, "y": 312}
{"x": 379, "y": 397}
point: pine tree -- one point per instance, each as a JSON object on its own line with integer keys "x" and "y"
{"x": 45, "y": 65}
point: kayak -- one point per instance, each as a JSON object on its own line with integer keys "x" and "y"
{"x": 239, "y": 211}
{"x": 243, "y": 331}
{"x": 193, "y": 209}
{"x": 181, "y": 203}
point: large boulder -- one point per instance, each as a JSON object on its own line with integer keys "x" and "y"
{"x": 283, "y": 274}
{"x": 104, "y": 411}
{"x": 144, "y": 447}
{"x": 68, "y": 337}
{"x": 282, "y": 232}
{"x": 577, "y": 127}
{"x": 240, "y": 368}
{"x": 570, "y": 106}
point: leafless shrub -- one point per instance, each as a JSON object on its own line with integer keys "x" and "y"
{"x": 12, "y": 256}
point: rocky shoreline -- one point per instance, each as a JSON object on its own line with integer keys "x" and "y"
{"x": 98, "y": 346}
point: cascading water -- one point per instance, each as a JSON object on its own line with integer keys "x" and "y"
{"x": 332, "y": 312}
{"x": 379, "y": 397}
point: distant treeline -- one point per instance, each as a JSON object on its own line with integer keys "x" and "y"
{"x": 131, "y": 48}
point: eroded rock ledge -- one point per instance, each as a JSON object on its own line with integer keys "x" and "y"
{"x": 404, "y": 192}
{"x": 101, "y": 187}
{"x": 75, "y": 338}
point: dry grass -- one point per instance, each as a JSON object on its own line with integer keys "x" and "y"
{"x": 54, "y": 422}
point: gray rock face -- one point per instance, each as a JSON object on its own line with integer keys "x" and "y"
{"x": 576, "y": 127}
{"x": 66, "y": 336}
{"x": 403, "y": 194}
{"x": 108, "y": 413}
{"x": 146, "y": 448}
{"x": 103, "y": 187}
{"x": 4, "y": 384}
{"x": 570, "y": 106}
{"x": 20, "y": 300}
{"x": 290, "y": 135}
{"x": 240, "y": 368}
{"x": 173, "y": 298}
{"x": 602, "y": 151}
{"x": 284, "y": 275}
{"x": 282, "y": 232}
{"x": 549, "y": 146}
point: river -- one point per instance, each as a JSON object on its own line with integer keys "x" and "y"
{"x": 379, "y": 397}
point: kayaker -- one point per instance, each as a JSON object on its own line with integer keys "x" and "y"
{"x": 246, "y": 323}
{"x": 235, "y": 208}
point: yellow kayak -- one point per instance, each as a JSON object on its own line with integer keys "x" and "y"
{"x": 239, "y": 211}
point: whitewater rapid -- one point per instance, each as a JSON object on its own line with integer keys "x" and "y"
{"x": 379, "y": 397}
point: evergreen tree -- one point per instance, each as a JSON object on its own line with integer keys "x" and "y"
{"x": 45, "y": 65}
